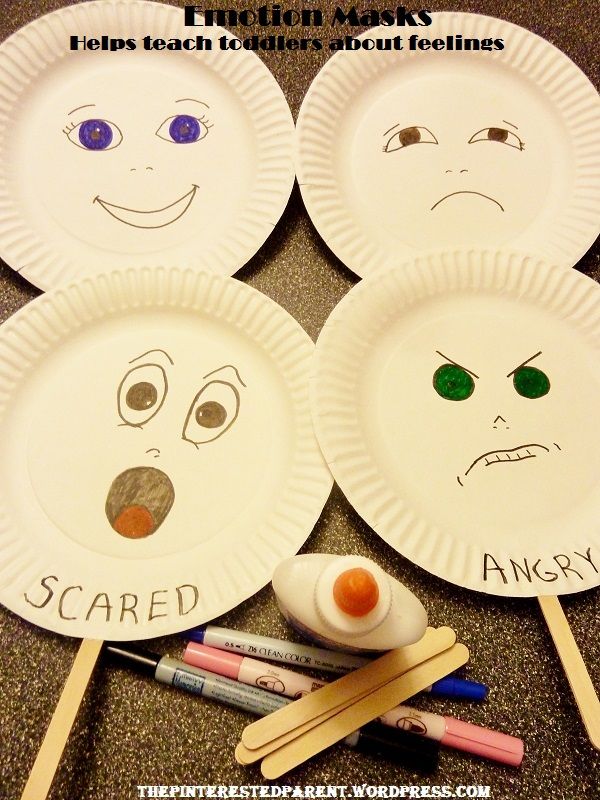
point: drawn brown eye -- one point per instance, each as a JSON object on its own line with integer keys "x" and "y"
{"x": 141, "y": 394}
{"x": 500, "y": 135}
{"x": 408, "y": 136}
{"x": 213, "y": 412}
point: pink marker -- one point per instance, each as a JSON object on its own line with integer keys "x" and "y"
{"x": 446, "y": 730}
{"x": 249, "y": 670}
{"x": 455, "y": 733}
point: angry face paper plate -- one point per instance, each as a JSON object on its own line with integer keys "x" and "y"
{"x": 456, "y": 399}
{"x": 157, "y": 454}
{"x": 137, "y": 157}
{"x": 410, "y": 150}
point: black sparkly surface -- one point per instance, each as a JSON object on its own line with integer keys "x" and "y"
{"x": 132, "y": 731}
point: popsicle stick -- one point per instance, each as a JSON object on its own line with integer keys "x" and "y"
{"x": 245, "y": 755}
{"x": 347, "y": 688}
{"x": 574, "y": 666}
{"x": 248, "y": 756}
{"x": 365, "y": 710}
{"x": 48, "y": 757}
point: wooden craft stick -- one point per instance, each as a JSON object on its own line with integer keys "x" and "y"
{"x": 48, "y": 757}
{"x": 346, "y": 689}
{"x": 365, "y": 710}
{"x": 574, "y": 667}
{"x": 247, "y": 756}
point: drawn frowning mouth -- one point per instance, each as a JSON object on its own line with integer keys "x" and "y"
{"x": 479, "y": 194}
{"x": 156, "y": 218}
{"x": 520, "y": 453}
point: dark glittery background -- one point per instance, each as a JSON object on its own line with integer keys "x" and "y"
{"x": 132, "y": 731}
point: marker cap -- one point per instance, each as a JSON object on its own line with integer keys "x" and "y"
{"x": 195, "y": 634}
{"x": 219, "y": 661}
{"x": 483, "y": 742}
{"x": 415, "y": 752}
{"x": 459, "y": 687}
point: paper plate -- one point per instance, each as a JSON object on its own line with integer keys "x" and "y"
{"x": 455, "y": 398}
{"x": 404, "y": 151}
{"x": 157, "y": 455}
{"x": 136, "y": 157}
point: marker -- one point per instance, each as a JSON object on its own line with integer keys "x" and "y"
{"x": 447, "y": 730}
{"x": 310, "y": 657}
{"x": 455, "y": 733}
{"x": 399, "y": 746}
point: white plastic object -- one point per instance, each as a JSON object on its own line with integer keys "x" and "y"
{"x": 304, "y": 588}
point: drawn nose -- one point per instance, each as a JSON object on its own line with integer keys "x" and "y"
{"x": 499, "y": 419}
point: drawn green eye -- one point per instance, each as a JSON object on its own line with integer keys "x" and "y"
{"x": 453, "y": 382}
{"x": 531, "y": 382}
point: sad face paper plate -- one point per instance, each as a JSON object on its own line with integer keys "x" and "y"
{"x": 157, "y": 454}
{"x": 136, "y": 157}
{"x": 405, "y": 151}
{"x": 455, "y": 399}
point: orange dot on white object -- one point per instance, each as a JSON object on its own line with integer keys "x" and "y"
{"x": 356, "y": 592}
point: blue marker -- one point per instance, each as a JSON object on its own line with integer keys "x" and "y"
{"x": 300, "y": 655}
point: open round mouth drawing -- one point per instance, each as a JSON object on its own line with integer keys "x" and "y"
{"x": 157, "y": 218}
{"x": 138, "y": 501}
{"x": 520, "y": 453}
{"x": 454, "y": 194}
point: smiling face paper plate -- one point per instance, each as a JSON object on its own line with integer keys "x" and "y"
{"x": 455, "y": 400}
{"x": 141, "y": 157}
{"x": 404, "y": 151}
{"x": 157, "y": 455}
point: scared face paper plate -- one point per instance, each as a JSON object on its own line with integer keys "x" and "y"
{"x": 157, "y": 455}
{"x": 404, "y": 151}
{"x": 140, "y": 157}
{"x": 455, "y": 400}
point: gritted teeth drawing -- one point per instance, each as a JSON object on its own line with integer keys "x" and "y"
{"x": 453, "y": 396}
{"x": 454, "y": 382}
{"x": 140, "y": 498}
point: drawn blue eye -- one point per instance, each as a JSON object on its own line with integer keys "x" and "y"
{"x": 95, "y": 134}
{"x": 183, "y": 129}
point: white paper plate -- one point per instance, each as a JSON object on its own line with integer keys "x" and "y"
{"x": 142, "y": 200}
{"x": 376, "y": 200}
{"x": 107, "y": 375}
{"x": 506, "y": 471}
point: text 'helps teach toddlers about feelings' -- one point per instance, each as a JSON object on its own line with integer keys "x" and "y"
{"x": 276, "y": 17}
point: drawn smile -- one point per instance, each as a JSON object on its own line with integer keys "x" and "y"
{"x": 157, "y": 218}
{"x": 479, "y": 194}
{"x": 138, "y": 501}
{"x": 520, "y": 453}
